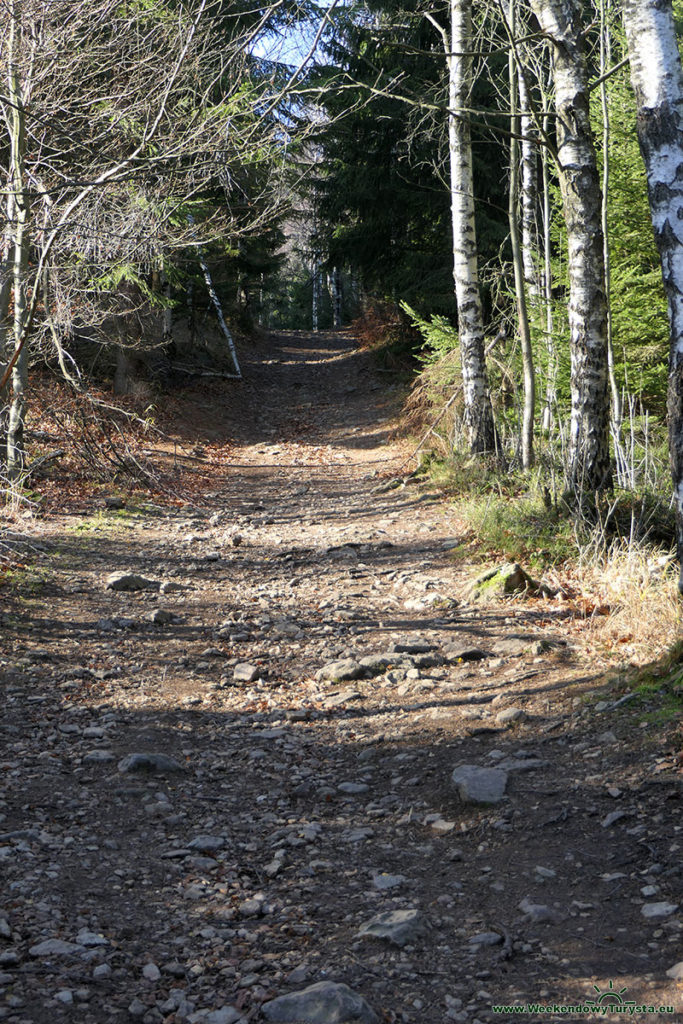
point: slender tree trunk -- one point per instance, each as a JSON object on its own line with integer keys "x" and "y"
{"x": 478, "y": 411}
{"x": 517, "y": 263}
{"x": 658, "y": 85}
{"x": 605, "y": 62}
{"x": 529, "y": 197}
{"x": 167, "y": 313}
{"x": 315, "y": 298}
{"x": 18, "y": 226}
{"x": 551, "y": 375}
{"x": 335, "y": 290}
{"x": 589, "y": 466}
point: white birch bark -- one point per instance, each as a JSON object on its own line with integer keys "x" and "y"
{"x": 517, "y": 259}
{"x": 478, "y": 411}
{"x": 529, "y": 192}
{"x": 19, "y": 209}
{"x": 657, "y": 81}
{"x": 315, "y": 297}
{"x": 335, "y": 290}
{"x": 605, "y": 63}
{"x": 589, "y": 466}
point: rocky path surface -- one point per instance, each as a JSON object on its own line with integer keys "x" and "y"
{"x": 296, "y": 776}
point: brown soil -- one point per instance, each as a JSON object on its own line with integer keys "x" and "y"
{"x": 292, "y": 556}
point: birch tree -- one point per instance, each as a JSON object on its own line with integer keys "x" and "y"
{"x": 657, "y": 81}
{"x": 478, "y": 410}
{"x": 121, "y": 119}
{"x": 589, "y": 466}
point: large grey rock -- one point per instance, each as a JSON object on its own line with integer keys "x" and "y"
{"x": 149, "y": 763}
{"x": 56, "y": 947}
{"x": 243, "y": 672}
{"x": 509, "y": 715}
{"x": 340, "y": 671}
{"x": 502, "y": 581}
{"x": 477, "y": 785}
{"x": 129, "y": 581}
{"x": 399, "y": 927}
{"x": 323, "y": 1003}
{"x": 658, "y": 910}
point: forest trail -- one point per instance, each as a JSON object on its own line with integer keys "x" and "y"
{"x": 303, "y": 673}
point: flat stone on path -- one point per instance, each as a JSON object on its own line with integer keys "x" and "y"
{"x": 127, "y": 581}
{"x": 56, "y": 947}
{"x": 243, "y": 672}
{"x": 398, "y": 927}
{"x": 477, "y": 785}
{"x": 658, "y": 910}
{"x": 149, "y": 763}
{"x": 323, "y": 1003}
{"x": 226, "y": 1015}
{"x": 509, "y": 715}
{"x": 340, "y": 671}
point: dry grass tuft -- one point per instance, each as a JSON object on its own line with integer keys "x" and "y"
{"x": 639, "y": 585}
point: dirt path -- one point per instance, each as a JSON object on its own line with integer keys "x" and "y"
{"x": 305, "y": 804}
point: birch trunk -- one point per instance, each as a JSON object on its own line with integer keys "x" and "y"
{"x": 518, "y": 264}
{"x": 478, "y": 411}
{"x": 529, "y": 196}
{"x": 589, "y": 466}
{"x": 18, "y": 219}
{"x": 657, "y": 81}
{"x": 605, "y": 64}
{"x": 334, "y": 288}
{"x": 551, "y": 374}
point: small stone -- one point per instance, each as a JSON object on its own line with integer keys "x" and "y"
{"x": 151, "y": 972}
{"x": 384, "y": 882}
{"x": 353, "y": 788}
{"x": 148, "y": 762}
{"x": 56, "y": 947}
{"x": 128, "y": 581}
{"x": 91, "y": 939}
{"x": 479, "y": 785}
{"x": 137, "y": 1008}
{"x": 538, "y": 913}
{"x": 485, "y": 939}
{"x": 322, "y": 1003}
{"x": 612, "y": 817}
{"x": 102, "y": 971}
{"x": 99, "y": 756}
{"x": 442, "y": 827}
{"x": 243, "y": 672}
{"x": 544, "y": 873}
{"x": 226, "y": 1015}
{"x": 457, "y": 652}
{"x": 676, "y": 972}
{"x": 207, "y": 844}
{"x": 658, "y": 910}
{"x": 251, "y": 908}
{"x": 399, "y": 927}
{"x": 65, "y": 996}
{"x": 171, "y": 587}
{"x": 161, "y": 617}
